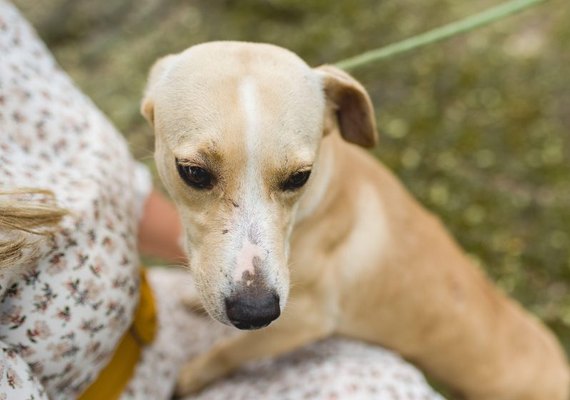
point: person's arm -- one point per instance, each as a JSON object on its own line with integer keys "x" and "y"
{"x": 160, "y": 230}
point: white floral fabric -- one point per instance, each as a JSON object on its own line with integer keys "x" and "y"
{"x": 65, "y": 313}
{"x": 333, "y": 369}
{"x": 62, "y": 315}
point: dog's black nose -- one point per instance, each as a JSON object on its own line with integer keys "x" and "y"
{"x": 252, "y": 310}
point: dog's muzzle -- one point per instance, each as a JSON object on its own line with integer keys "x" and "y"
{"x": 252, "y": 309}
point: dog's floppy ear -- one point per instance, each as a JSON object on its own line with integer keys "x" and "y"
{"x": 156, "y": 73}
{"x": 351, "y": 106}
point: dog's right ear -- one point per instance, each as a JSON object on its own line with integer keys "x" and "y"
{"x": 350, "y": 105}
{"x": 156, "y": 73}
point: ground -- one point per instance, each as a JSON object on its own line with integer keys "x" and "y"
{"x": 478, "y": 127}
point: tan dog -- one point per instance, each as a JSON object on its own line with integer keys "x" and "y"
{"x": 239, "y": 129}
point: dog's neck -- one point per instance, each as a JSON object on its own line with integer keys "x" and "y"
{"x": 322, "y": 181}
{"x": 323, "y": 216}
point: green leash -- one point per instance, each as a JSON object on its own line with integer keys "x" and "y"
{"x": 435, "y": 35}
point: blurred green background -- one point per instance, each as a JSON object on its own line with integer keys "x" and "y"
{"x": 478, "y": 127}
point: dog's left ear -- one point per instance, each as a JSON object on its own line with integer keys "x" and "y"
{"x": 156, "y": 73}
{"x": 350, "y": 105}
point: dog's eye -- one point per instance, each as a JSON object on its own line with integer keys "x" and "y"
{"x": 196, "y": 177}
{"x": 296, "y": 181}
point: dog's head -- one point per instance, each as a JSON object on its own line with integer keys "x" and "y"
{"x": 238, "y": 128}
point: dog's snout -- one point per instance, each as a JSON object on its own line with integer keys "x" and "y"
{"x": 247, "y": 310}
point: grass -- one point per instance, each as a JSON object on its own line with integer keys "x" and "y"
{"x": 478, "y": 127}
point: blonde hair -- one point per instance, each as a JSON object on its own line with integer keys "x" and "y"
{"x": 27, "y": 217}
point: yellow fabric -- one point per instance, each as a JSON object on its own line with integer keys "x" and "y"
{"x": 113, "y": 379}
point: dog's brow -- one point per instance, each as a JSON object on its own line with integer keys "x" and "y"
{"x": 294, "y": 167}
{"x": 284, "y": 171}
{"x": 298, "y": 160}
{"x": 209, "y": 156}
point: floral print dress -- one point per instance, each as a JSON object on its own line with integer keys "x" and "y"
{"x": 62, "y": 315}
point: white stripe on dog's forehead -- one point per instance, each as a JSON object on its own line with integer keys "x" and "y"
{"x": 253, "y": 213}
{"x": 248, "y": 98}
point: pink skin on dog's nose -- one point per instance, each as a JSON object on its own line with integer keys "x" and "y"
{"x": 244, "y": 261}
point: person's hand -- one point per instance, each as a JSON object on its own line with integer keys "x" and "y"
{"x": 160, "y": 230}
